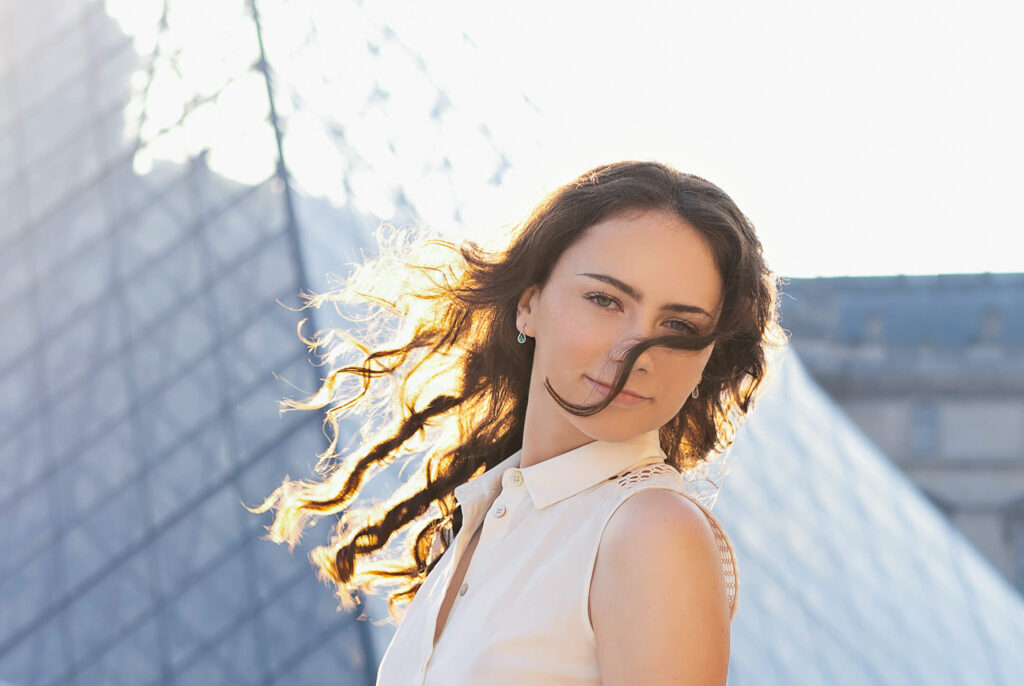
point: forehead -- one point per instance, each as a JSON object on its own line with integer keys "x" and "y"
{"x": 658, "y": 253}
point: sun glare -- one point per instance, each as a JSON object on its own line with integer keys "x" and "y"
{"x": 366, "y": 119}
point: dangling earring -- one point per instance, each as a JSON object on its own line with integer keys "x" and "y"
{"x": 696, "y": 392}
{"x": 521, "y": 337}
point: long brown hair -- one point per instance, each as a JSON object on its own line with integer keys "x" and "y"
{"x": 438, "y": 369}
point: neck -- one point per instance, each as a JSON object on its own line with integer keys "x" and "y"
{"x": 546, "y": 433}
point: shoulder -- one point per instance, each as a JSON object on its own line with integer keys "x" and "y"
{"x": 660, "y": 511}
{"x": 658, "y": 601}
{"x": 666, "y": 525}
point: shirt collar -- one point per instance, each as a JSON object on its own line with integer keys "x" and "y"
{"x": 572, "y": 472}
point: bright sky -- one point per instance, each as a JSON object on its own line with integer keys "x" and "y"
{"x": 861, "y": 138}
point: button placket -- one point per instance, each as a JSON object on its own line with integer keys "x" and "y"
{"x": 513, "y": 476}
{"x": 506, "y": 509}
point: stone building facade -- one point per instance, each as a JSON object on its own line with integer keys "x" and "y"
{"x": 931, "y": 368}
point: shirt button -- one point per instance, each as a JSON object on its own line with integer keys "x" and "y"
{"x": 465, "y": 587}
{"x": 499, "y": 511}
{"x": 517, "y": 478}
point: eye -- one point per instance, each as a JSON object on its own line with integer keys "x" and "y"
{"x": 598, "y": 298}
{"x": 595, "y": 297}
{"x": 686, "y": 328}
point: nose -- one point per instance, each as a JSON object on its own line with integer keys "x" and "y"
{"x": 623, "y": 346}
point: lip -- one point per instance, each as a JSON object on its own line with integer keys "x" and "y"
{"x": 623, "y": 398}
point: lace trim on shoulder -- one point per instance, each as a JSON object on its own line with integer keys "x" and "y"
{"x": 664, "y": 474}
{"x": 647, "y": 473}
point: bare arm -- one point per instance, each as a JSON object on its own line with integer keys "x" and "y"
{"x": 658, "y": 601}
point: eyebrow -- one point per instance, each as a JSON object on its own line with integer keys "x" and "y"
{"x": 638, "y": 296}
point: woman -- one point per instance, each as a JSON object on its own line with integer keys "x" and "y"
{"x": 560, "y": 388}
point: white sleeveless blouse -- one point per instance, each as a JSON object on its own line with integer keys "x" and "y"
{"x": 521, "y": 615}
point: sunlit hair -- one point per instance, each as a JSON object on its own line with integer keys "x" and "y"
{"x": 438, "y": 371}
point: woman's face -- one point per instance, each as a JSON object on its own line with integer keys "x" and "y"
{"x": 636, "y": 275}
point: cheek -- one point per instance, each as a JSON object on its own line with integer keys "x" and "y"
{"x": 681, "y": 378}
{"x": 580, "y": 340}
{"x": 706, "y": 355}
{"x": 573, "y": 337}
{"x": 683, "y": 372}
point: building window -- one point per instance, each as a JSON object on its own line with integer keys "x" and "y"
{"x": 924, "y": 430}
{"x": 874, "y": 328}
{"x": 1020, "y": 560}
{"x": 1014, "y": 526}
{"x": 991, "y": 326}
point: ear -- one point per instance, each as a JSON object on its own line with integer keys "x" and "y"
{"x": 526, "y": 308}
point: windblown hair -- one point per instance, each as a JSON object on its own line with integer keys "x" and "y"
{"x": 450, "y": 381}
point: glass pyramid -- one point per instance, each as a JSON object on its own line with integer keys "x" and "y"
{"x": 153, "y": 240}
{"x": 848, "y": 573}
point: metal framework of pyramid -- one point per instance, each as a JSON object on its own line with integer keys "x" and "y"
{"x": 145, "y": 308}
